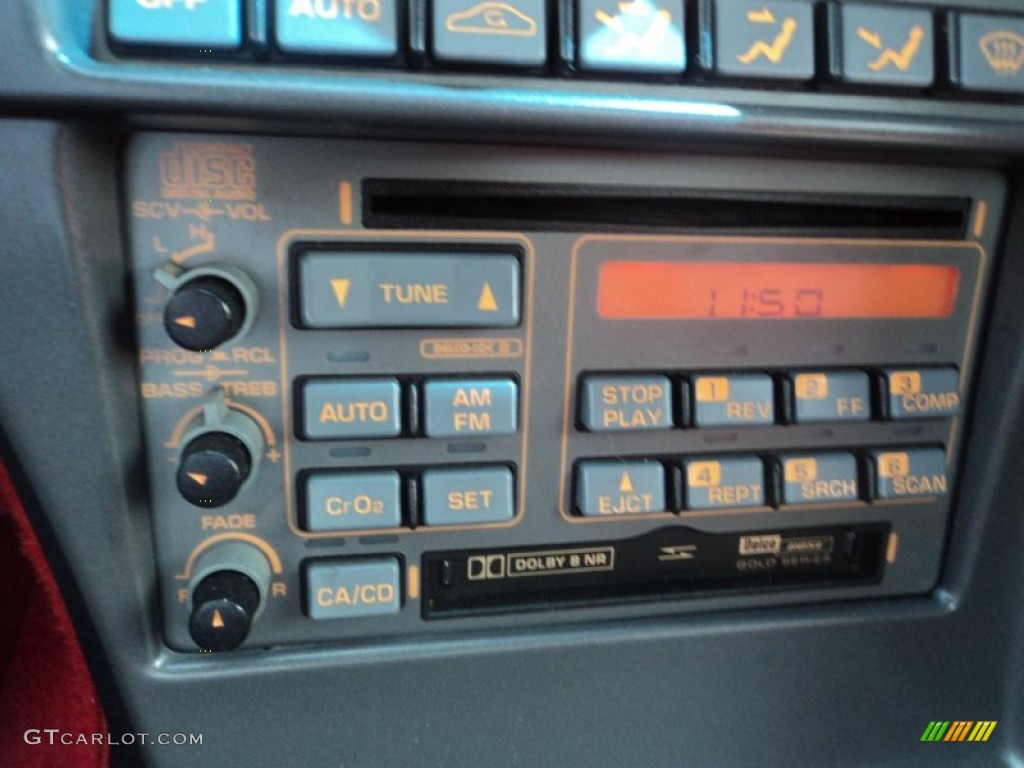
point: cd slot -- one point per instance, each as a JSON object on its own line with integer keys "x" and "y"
{"x": 448, "y": 205}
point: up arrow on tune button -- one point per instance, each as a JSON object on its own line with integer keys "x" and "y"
{"x": 487, "y": 301}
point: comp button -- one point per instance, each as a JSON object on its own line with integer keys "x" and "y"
{"x": 923, "y": 393}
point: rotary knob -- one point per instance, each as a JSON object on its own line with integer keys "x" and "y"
{"x": 209, "y": 306}
{"x": 220, "y": 457}
{"x": 228, "y": 592}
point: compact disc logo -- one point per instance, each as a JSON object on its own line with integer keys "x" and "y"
{"x": 208, "y": 171}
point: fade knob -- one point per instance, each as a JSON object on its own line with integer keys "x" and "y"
{"x": 228, "y": 592}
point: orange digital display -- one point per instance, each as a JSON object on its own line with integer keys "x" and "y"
{"x": 690, "y": 290}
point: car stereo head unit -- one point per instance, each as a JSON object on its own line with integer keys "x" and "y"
{"x": 406, "y": 390}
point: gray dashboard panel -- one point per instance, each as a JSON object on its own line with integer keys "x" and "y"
{"x": 660, "y": 692}
{"x": 845, "y": 685}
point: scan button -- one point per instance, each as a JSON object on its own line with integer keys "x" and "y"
{"x": 910, "y": 473}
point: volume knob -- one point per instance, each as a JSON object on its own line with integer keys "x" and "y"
{"x": 209, "y": 305}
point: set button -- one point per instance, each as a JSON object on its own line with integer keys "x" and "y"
{"x": 467, "y": 496}
{"x": 353, "y": 588}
